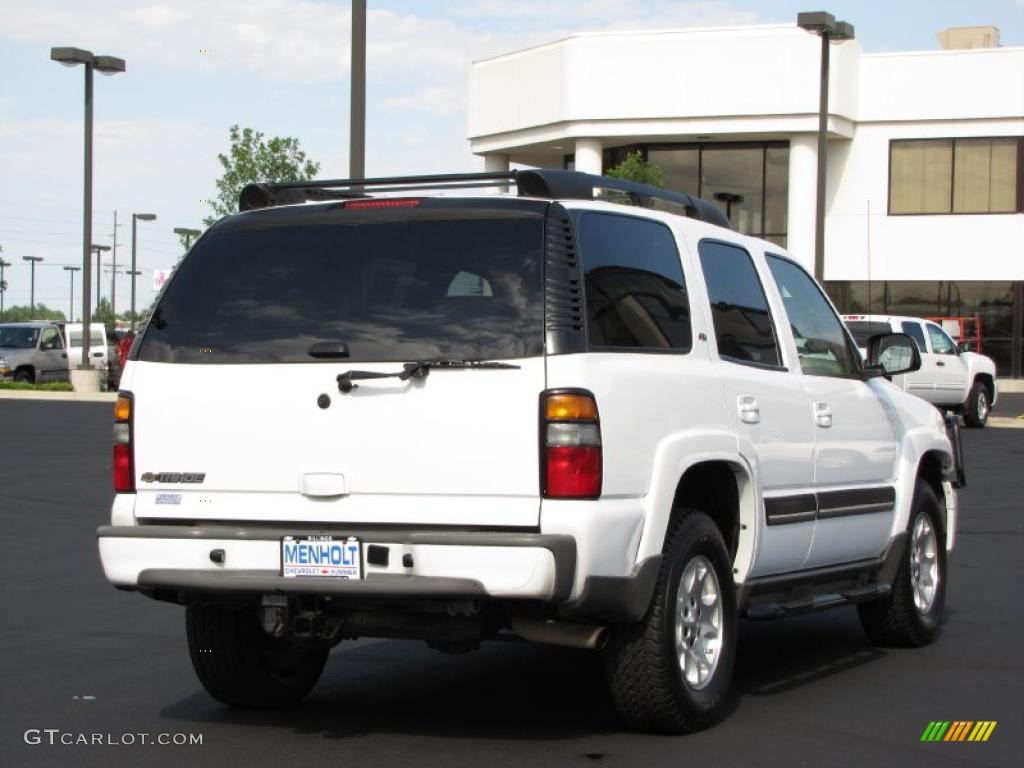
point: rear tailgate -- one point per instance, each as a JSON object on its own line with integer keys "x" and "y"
{"x": 237, "y": 420}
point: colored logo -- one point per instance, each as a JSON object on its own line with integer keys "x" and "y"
{"x": 958, "y": 730}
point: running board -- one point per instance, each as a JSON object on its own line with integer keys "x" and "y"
{"x": 761, "y": 611}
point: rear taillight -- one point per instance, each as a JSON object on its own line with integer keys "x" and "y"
{"x": 124, "y": 459}
{"x": 570, "y": 446}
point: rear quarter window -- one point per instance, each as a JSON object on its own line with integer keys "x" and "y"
{"x": 635, "y": 291}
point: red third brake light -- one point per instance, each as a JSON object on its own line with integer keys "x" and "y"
{"x": 124, "y": 459}
{"x": 571, "y": 446}
{"x": 357, "y": 205}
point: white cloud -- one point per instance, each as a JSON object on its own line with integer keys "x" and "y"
{"x": 433, "y": 99}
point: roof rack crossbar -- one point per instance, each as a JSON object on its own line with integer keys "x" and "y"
{"x": 545, "y": 182}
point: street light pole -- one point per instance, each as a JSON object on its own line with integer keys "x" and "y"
{"x": 71, "y": 303}
{"x": 113, "y": 273}
{"x": 32, "y": 290}
{"x": 134, "y": 272}
{"x": 826, "y": 26}
{"x": 3, "y": 285}
{"x": 107, "y": 65}
{"x": 357, "y": 105}
{"x": 97, "y": 249}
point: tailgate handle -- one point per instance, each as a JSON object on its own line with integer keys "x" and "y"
{"x": 323, "y": 484}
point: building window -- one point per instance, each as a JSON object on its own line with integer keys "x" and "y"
{"x": 997, "y": 305}
{"x": 942, "y": 176}
{"x": 749, "y": 181}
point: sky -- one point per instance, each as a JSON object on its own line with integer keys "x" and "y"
{"x": 196, "y": 67}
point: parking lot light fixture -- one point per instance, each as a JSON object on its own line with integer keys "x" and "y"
{"x": 188, "y": 234}
{"x": 32, "y": 290}
{"x": 106, "y": 65}
{"x": 824, "y": 25}
{"x": 134, "y": 271}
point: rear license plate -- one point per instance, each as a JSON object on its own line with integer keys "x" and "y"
{"x": 322, "y": 557}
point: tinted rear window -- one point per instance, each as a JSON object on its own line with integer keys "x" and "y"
{"x": 862, "y": 330}
{"x": 392, "y": 286}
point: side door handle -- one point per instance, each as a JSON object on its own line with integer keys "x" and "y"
{"x": 823, "y": 415}
{"x": 750, "y": 411}
{"x": 940, "y": 364}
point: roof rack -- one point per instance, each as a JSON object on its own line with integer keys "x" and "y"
{"x": 542, "y": 182}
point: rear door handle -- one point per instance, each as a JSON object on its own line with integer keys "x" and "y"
{"x": 750, "y": 411}
{"x": 823, "y": 415}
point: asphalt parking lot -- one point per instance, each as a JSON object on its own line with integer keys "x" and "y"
{"x": 82, "y": 658}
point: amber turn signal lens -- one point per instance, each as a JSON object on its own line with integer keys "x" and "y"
{"x": 123, "y": 409}
{"x": 571, "y": 408}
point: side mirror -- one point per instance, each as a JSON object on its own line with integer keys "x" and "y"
{"x": 963, "y": 346}
{"x": 893, "y": 354}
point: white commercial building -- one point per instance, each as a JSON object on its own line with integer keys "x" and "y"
{"x": 925, "y": 189}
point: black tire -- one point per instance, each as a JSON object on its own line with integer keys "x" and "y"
{"x": 896, "y": 620}
{"x": 25, "y": 375}
{"x": 241, "y": 666}
{"x": 641, "y": 662}
{"x": 977, "y": 407}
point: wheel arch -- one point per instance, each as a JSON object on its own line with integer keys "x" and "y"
{"x": 989, "y": 382}
{"x": 721, "y": 487}
{"x": 25, "y": 367}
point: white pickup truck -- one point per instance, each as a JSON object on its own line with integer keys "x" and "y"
{"x": 951, "y": 378}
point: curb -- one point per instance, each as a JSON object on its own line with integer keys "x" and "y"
{"x": 80, "y": 397}
{"x": 1006, "y": 422}
{"x": 1013, "y": 386}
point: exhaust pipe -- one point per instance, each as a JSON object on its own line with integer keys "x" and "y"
{"x": 563, "y": 633}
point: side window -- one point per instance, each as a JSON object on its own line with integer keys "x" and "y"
{"x": 913, "y": 330}
{"x": 941, "y": 343}
{"x": 739, "y": 309}
{"x": 821, "y": 342}
{"x": 50, "y": 339}
{"x": 636, "y": 294}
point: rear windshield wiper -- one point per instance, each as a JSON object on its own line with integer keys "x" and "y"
{"x": 417, "y": 370}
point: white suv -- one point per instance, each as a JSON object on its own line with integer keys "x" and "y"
{"x": 545, "y": 415}
{"x": 950, "y": 377}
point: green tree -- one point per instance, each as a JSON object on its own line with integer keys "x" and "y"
{"x": 637, "y": 168}
{"x": 21, "y": 314}
{"x": 253, "y": 158}
{"x": 103, "y": 313}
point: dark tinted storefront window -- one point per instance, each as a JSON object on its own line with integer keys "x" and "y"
{"x": 743, "y": 323}
{"x": 991, "y": 303}
{"x": 750, "y": 181}
{"x": 392, "y": 286}
{"x": 636, "y": 294}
